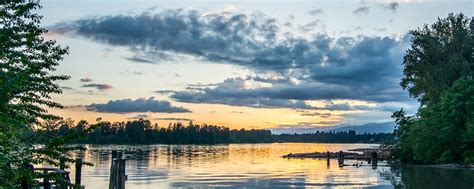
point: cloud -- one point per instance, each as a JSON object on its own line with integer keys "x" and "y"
{"x": 174, "y": 119}
{"x": 384, "y": 107}
{"x": 225, "y": 36}
{"x": 101, "y": 87}
{"x": 140, "y": 116}
{"x": 392, "y": 6}
{"x": 85, "y": 80}
{"x": 315, "y": 12}
{"x": 66, "y": 88}
{"x": 139, "y": 59}
{"x": 316, "y": 124}
{"x": 230, "y": 92}
{"x": 310, "y": 26}
{"x": 138, "y": 105}
{"x": 314, "y": 114}
{"x": 320, "y": 67}
{"x": 361, "y": 10}
{"x": 164, "y": 92}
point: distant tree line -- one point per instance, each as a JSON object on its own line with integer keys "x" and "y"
{"x": 335, "y": 137}
{"x": 142, "y": 131}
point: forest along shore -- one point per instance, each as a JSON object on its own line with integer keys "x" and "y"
{"x": 383, "y": 153}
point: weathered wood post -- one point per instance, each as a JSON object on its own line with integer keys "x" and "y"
{"x": 113, "y": 170}
{"x": 117, "y": 171}
{"x": 374, "y": 159}
{"x": 77, "y": 180}
{"x": 123, "y": 177}
{"x": 328, "y": 158}
{"x": 341, "y": 158}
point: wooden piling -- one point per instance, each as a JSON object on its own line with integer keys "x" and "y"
{"x": 77, "y": 180}
{"x": 340, "y": 158}
{"x": 374, "y": 159}
{"x": 328, "y": 158}
{"x": 117, "y": 171}
{"x": 123, "y": 177}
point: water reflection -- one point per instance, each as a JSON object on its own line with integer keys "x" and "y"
{"x": 430, "y": 177}
{"x": 253, "y": 165}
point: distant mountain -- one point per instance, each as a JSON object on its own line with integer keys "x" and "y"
{"x": 386, "y": 127}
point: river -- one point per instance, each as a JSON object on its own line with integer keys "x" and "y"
{"x": 256, "y": 166}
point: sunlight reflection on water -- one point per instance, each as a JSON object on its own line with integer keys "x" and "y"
{"x": 234, "y": 165}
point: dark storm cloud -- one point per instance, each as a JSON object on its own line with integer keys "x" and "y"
{"x": 357, "y": 68}
{"x": 101, "y": 87}
{"x": 361, "y": 10}
{"x": 230, "y": 92}
{"x": 214, "y": 36}
{"x": 138, "y": 105}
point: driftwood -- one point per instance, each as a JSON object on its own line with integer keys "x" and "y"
{"x": 365, "y": 154}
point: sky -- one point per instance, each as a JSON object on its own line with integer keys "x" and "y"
{"x": 241, "y": 64}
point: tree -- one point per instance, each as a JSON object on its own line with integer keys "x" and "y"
{"x": 27, "y": 61}
{"x": 438, "y": 72}
{"x": 441, "y": 133}
{"x": 439, "y": 55}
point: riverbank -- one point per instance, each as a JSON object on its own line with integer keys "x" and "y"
{"x": 365, "y": 154}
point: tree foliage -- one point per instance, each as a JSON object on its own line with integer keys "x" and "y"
{"x": 439, "y": 55}
{"x": 439, "y": 72}
{"x": 440, "y": 133}
{"x": 27, "y": 61}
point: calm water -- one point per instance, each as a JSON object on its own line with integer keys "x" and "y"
{"x": 255, "y": 166}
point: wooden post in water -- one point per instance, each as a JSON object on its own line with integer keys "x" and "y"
{"x": 340, "y": 158}
{"x": 113, "y": 170}
{"x": 374, "y": 159}
{"x": 117, "y": 171}
{"x": 123, "y": 177}
{"x": 328, "y": 158}
{"x": 77, "y": 180}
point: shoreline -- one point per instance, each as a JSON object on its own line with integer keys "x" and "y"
{"x": 366, "y": 153}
